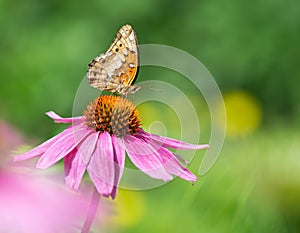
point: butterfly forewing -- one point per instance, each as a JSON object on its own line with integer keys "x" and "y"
{"x": 117, "y": 68}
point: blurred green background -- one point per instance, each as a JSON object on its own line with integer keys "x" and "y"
{"x": 251, "y": 48}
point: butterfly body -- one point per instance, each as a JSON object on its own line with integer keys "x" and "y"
{"x": 117, "y": 68}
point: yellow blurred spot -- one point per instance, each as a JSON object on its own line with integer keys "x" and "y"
{"x": 130, "y": 208}
{"x": 243, "y": 113}
{"x": 148, "y": 112}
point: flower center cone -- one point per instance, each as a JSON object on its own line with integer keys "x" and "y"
{"x": 113, "y": 114}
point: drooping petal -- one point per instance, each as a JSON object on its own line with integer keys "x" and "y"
{"x": 172, "y": 143}
{"x": 181, "y": 159}
{"x": 59, "y": 119}
{"x": 63, "y": 146}
{"x": 37, "y": 151}
{"x": 145, "y": 157}
{"x": 76, "y": 162}
{"x": 87, "y": 147}
{"x": 174, "y": 167}
{"x": 119, "y": 159}
{"x": 74, "y": 170}
{"x": 101, "y": 165}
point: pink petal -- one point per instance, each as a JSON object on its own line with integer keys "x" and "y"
{"x": 174, "y": 167}
{"x": 59, "y": 119}
{"x": 180, "y": 159}
{"x": 63, "y": 146}
{"x": 146, "y": 158}
{"x": 101, "y": 165}
{"x": 119, "y": 158}
{"x": 37, "y": 151}
{"x": 74, "y": 169}
{"x": 87, "y": 147}
{"x": 172, "y": 143}
{"x": 75, "y": 163}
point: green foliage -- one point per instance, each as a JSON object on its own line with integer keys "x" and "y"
{"x": 46, "y": 46}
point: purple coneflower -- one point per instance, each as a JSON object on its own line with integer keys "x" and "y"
{"x": 98, "y": 141}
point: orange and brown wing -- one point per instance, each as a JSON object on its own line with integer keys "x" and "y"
{"x": 119, "y": 65}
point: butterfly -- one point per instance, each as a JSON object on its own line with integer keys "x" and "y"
{"x": 116, "y": 69}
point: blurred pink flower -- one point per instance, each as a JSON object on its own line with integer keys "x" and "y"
{"x": 10, "y": 138}
{"x": 29, "y": 204}
{"x": 97, "y": 142}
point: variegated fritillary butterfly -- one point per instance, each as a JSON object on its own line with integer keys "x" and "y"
{"x": 117, "y": 68}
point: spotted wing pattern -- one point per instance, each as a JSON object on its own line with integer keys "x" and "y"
{"x": 117, "y": 68}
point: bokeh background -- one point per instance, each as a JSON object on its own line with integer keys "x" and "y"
{"x": 250, "y": 47}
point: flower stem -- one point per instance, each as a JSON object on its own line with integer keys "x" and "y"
{"x": 91, "y": 212}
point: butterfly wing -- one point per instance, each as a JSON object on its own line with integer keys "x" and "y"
{"x": 116, "y": 69}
